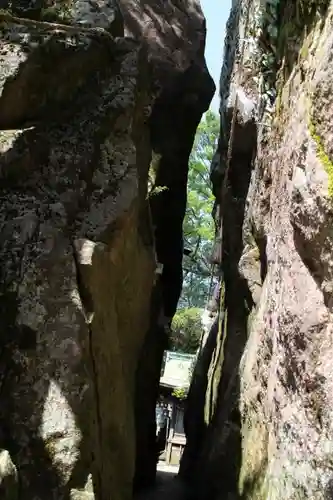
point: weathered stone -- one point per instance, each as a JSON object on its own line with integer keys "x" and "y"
{"x": 285, "y": 387}
{"x": 8, "y": 477}
{"x": 195, "y": 421}
{"x": 30, "y": 88}
{"x": 105, "y": 15}
{"x": 70, "y": 184}
{"x": 269, "y": 433}
{"x": 81, "y": 109}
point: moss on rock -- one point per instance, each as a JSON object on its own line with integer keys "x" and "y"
{"x": 322, "y": 155}
{"x": 252, "y": 478}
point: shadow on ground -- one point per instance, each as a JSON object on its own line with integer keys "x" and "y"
{"x": 168, "y": 486}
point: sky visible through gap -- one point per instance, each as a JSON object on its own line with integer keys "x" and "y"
{"x": 216, "y": 13}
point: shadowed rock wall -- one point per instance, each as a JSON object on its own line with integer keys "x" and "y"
{"x": 81, "y": 108}
{"x": 268, "y": 408}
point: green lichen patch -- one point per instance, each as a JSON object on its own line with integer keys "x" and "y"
{"x": 297, "y": 20}
{"x": 306, "y": 47}
{"x": 60, "y": 11}
{"x": 252, "y": 478}
{"x": 322, "y": 155}
{"x": 57, "y": 13}
{"x": 216, "y": 366}
{"x": 279, "y": 30}
{"x": 295, "y": 23}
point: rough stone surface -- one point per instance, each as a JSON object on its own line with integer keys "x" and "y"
{"x": 81, "y": 327}
{"x": 69, "y": 241}
{"x": 8, "y": 477}
{"x": 269, "y": 432}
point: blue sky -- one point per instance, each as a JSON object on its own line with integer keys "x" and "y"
{"x": 216, "y": 13}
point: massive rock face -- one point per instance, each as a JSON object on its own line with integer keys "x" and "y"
{"x": 268, "y": 408}
{"x": 81, "y": 108}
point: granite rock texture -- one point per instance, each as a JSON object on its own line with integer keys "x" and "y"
{"x": 269, "y": 431}
{"x": 82, "y": 107}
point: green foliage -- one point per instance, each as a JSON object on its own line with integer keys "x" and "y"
{"x": 156, "y": 190}
{"x": 180, "y": 393}
{"x": 57, "y": 14}
{"x": 198, "y": 223}
{"x": 153, "y": 189}
{"x": 155, "y": 160}
{"x": 186, "y": 330}
{"x": 199, "y": 234}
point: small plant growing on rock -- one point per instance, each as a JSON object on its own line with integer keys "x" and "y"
{"x": 153, "y": 190}
{"x": 157, "y": 190}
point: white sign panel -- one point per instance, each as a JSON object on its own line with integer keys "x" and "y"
{"x": 177, "y": 371}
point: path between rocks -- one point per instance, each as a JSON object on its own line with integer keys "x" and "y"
{"x": 168, "y": 485}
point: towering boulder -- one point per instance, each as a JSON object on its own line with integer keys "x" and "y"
{"x": 268, "y": 431}
{"x": 78, "y": 100}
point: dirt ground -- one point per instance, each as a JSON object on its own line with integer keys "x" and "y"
{"x": 168, "y": 486}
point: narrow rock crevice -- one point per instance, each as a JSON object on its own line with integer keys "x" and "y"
{"x": 93, "y": 97}
{"x": 83, "y": 256}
